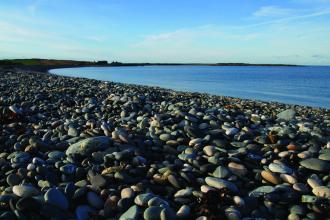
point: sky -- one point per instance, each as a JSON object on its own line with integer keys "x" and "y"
{"x": 188, "y": 31}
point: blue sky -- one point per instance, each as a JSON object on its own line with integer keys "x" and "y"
{"x": 255, "y": 31}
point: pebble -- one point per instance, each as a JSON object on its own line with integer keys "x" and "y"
{"x": 288, "y": 178}
{"x": 94, "y": 200}
{"x": 127, "y": 193}
{"x": 183, "y": 212}
{"x": 237, "y": 169}
{"x": 279, "y": 168}
{"x": 74, "y": 148}
{"x": 25, "y": 191}
{"x": 316, "y": 164}
{"x": 142, "y": 199}
{"x": 152, "y": 213}
{"x": 322, "y": 191}
{"x": 55, "y": 197}
{"x": 88, "y": 146}
{"x": 220, "y": 184}
{"x": 261, "y": 191}
{"x": 13, "y": 179}
{"x": 270, "y": 177}
{"x": 131, "y": 214}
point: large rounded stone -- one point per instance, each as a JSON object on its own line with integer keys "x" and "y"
{"x": 25, "y": 191}
{"x": 57, "y": 198}
{"x": 316, "y": 164}
{"x": 89, "y": 145}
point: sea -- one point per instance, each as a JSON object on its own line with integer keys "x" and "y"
{"x": 300, "y": 85}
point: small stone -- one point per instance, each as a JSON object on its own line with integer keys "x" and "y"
{"x": 55, "y": 197}
{"x": 142, "y": 199}
{"x": 174, "y": 181}
{"x": 209, "y": 150}
{"x": 279, "y": 168}
{"x": 13, "y": 179}
{"x": 322, "y": 191}
{"x": 237, "y": 169}
{"x": 287, "y": 115}
{"x": 131, "y": 214}
{"x": 232, "y": 214}
{"x": 221, "y": 172}
{"x": 206, "y": 188}
{"x": 183, "y": 193}
{"x": 288, "y": 178}
{"x": 183, "y": 212}
{"x": 25, "y": 191}
{"x": 261, "y": 191}
{"x": 152, "y": 213}
{"x": 127, "y": 193}
{"x": 94, "y": 200}
{"x": 98, "y": 181}
{"x": 220, "y": 184}
{"x": 301, "y": 187}
{"x": 316, "y": 164}
{"x": 89, "y": 145}
{"x": 231, "y": 131}
{"x": 313, "y": 182}
{"x": 165, "y": 137}
{"x": 270, "y": 177}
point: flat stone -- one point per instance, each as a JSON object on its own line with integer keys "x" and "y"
{"x": 231, "y": 131}
{"x": 142, "y": 199}
{"x": 322, "y": 191}
{"x": 183, "y": 212}
{"x": 220, "y": 184}
{"x": 25, "y": 191}
{"x": 55, "y": 197}
{"x": 127, "y": 193}
{"x": 98, "y": 181}
{"x": 287, "y": 114}
{"x": 288, "y": 178}
{"x": 209, "y": 150}
{"x": 94, "y": 200}
{"x": 325, "y": 156}
{"x": 221, "y": 172}
{"x": 313, "y": 182}
{"x": 301, "y": 187}
{"x": 152, "y": 213}
{"x": 279, "y": 168}
{"x": 183, "y": 193}
{"x": 165, "y": 137}
{"x": 13, "y": 179}
{"x": 237, "y": 169}
{"x": 316, "y": 164}
{"x": 261, "y": 191}
{"x": 131, "y": 214}
{"x": 88, "y": 146}
{"x": 270, "y": 177}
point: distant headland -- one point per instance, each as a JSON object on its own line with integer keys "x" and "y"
{"x": 46, "y": 64}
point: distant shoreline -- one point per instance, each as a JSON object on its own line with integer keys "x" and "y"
{"x": 47, "y": 64}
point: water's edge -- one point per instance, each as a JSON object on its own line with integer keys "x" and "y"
{"x": 72, "y": 72}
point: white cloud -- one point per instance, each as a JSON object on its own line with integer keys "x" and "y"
{"x": 311, "y": 14}
{"x": 273, "y": 11}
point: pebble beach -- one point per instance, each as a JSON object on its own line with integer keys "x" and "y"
{"x": 76, "y": 148}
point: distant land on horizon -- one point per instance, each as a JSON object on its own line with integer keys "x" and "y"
{"x": 46, "y": 64}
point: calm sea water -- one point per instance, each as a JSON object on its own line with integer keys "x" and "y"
{"x": 308, "y": 85}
